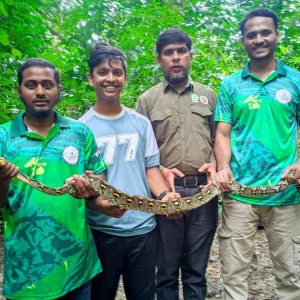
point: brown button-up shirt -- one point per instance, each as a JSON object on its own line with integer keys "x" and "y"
{"x": 183, "y": 124}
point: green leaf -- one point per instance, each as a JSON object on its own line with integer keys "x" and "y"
{"x": 16, "y": 53}
{"x": 2, "y": 10}
{"x": 4, "y": 37}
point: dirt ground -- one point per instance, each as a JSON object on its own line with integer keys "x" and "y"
{"x": 261, "y": 279}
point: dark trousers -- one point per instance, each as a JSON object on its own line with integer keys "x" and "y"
{"x": 185, "y": 243}
{"x": 132, "y": 257}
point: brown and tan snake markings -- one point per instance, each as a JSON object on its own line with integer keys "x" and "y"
{"x": 156, "y": 206}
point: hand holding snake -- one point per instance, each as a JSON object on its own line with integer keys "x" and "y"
{"x": 155, "y": 206}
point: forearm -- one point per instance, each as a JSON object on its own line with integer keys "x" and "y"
{"x": 223, "y": 151}
{"x": 156, "y": 181}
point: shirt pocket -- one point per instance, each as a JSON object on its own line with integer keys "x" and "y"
{"x": 200, "y": 119}
{"x": 163, "y": 124}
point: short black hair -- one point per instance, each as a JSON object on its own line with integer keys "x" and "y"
{"x": 258, "y": 12}
{"x": 172, "y": 36}
{"x": 37, "y": 62}
{"x": 102, "y": 52}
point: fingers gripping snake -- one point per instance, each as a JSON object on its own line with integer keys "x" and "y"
{"x": 156, "y": 206}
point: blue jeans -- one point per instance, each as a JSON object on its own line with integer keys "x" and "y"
{"x": 132, "y": 257}
{"x": 185, "y": 244}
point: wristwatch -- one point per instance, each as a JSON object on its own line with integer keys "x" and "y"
{"x": 161, "y": 195}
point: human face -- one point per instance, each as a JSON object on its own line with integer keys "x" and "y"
{"x": 39, "y": 91}
{"x": 108, "y": 79}
{"x": 260, "y": 38}
{"x": 175, "y": 61}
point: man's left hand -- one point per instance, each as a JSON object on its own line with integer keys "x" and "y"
{"x": 294, "y": 167}
{"x": 82, "y": 187}
{"x": 171, "y": 196}
{"x": 210, "y": 169}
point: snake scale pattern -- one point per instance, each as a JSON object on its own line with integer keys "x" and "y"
{"x": 156, "y": 206}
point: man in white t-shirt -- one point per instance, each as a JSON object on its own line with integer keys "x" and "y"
{"x": 127, "y": 245}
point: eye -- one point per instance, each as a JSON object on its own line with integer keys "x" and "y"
{"x": 47, "y": 84}
{"x": 168, "y": 52}
{"x": 266, "y": 32}
{"x": 30, "y": 84}
{"x": 102, "y": 72}
{"x": 182, "y": 51}
{"x": 251, "y": 35}
{"x": 118, "y": 73}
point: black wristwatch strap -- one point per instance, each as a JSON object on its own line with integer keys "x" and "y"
{"x": 161, "y": 195}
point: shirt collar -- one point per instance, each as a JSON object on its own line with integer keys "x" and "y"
{"x": 189, "y": 84}
{"x": 280, "y": 69}
{"x": 18, "y": 127}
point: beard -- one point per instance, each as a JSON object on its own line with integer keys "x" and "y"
{"x": 39, "y": 114}
{"x": 177, "y": 79}
{"x": 36, "y": 113}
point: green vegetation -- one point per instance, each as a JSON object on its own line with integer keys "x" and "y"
{"x": 64, "y": 31}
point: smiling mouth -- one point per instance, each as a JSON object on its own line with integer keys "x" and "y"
{"x": 110, "y": 87}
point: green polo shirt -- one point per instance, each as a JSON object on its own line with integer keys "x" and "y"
{"x": 264, "y": 117}
{"x": 49, "y": 249}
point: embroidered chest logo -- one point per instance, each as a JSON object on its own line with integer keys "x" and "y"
{"x": 283, "y": 96}
{"x": 37, "y": 167}
{"x": 253, "y": 102}
{"x": 71, "y": 155}
{"x": 195, "y": 98}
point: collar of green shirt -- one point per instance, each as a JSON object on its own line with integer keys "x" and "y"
{"x": 18, "y": 127}
{"x": 280, "y": 69}
{"x": 189, "y": 84}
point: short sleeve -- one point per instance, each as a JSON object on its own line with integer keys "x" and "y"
{"x": 224, "y": 106}
{"x": 152, "y": 152}
{"x": 94, "y": 159}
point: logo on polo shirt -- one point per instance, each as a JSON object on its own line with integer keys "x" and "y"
{"x": 203, "y": 99}
{"x": 71, "y": 155}
{"x": 253, "y": 102}
{"x": 283, "y": 96}
{"x": 195, "y": 98}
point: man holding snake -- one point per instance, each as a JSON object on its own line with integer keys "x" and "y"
{"x": 49, "y": 250}
{"x": 258, "y": 114}
{"x": 126, "y": 246}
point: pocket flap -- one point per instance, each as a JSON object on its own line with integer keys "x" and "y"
{"x": 201, "y": 110}
{"x": 296, "y": 239}
{"x": 223, "y": 233}
{"x": 161, "y": 114}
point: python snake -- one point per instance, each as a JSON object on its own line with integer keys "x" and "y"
{"x": 156, "y": 206}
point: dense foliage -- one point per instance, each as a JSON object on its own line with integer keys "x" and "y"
{"x": 64, "y": 31}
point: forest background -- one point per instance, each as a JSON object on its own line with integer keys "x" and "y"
{"x": 64, "y": 31}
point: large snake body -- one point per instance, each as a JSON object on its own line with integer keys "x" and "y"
{"x": 156, "y": 206}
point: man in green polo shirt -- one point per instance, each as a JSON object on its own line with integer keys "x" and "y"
{"x": 49, "y": 250}
{"x": 257, "y": 114}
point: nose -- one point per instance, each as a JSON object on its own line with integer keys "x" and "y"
{"x": 110, "y": 77}
{"x": 40, "y": 90}
{"x": 175, "y": 56}
{"x": 259, "y": 39}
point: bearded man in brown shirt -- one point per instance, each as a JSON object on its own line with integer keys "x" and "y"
{"x": 181, "y": 112}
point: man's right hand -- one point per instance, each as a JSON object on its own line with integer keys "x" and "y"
{"x": 103, "y": 206}
{"x": 222, "y": 178}
{"x": 7, "y": 172}
{"x": 169, "y": 175}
